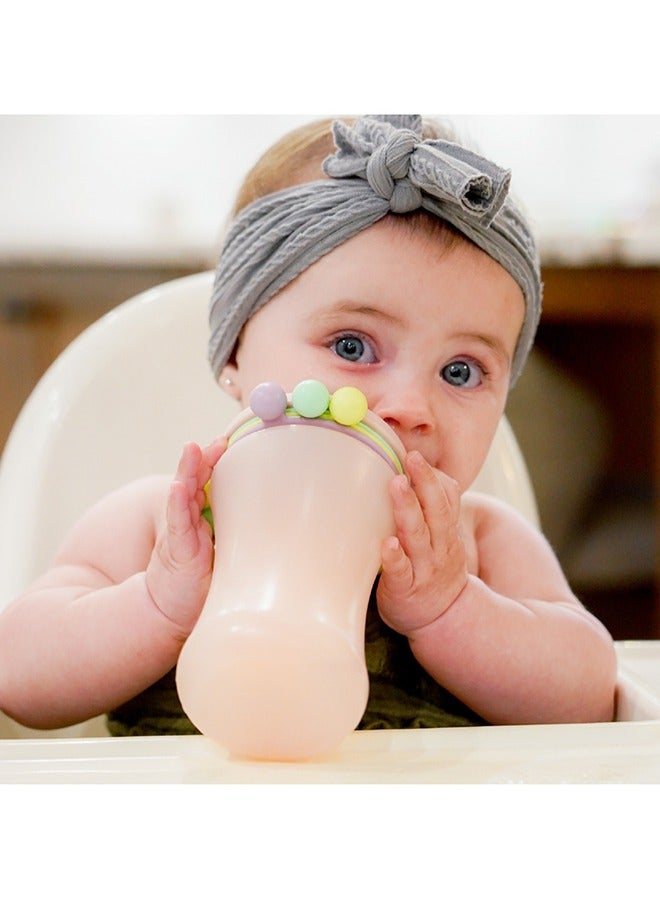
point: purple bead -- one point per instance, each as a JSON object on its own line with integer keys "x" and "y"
{"x": 268, "y": 401}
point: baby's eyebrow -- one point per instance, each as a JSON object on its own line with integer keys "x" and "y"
{"x": 493, "y": 342}
{"x": 354, "y": 307}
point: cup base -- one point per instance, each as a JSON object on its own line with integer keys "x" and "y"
{"x": 271, "y": 690}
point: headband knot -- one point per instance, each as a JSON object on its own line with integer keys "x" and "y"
{"x": 388, "y": 152}
{"x": 387, "y": 171}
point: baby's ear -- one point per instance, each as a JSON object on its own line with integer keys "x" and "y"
{"x": 229, "y": 381}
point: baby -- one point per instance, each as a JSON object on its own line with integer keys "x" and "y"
{"x": 396, "y": 262}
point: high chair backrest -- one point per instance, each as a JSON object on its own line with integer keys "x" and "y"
{"x": 119, "y": 403}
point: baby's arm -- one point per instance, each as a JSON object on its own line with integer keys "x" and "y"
{"x": 487, "y": 609}
{"x": 111, "y": 614}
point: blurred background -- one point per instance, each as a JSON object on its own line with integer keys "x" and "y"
{"x": 94, "y": 209}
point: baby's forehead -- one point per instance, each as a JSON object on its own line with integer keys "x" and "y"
{"x": 437, "y": 232}
{"x": 386, "y": 274}
{"x": 438, "y": 239}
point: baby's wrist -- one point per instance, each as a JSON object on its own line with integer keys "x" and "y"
{"x": 179, "y": 631}
{"x": 419, "y": 631}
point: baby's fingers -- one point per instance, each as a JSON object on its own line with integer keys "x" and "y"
{"x": 210, "y": 456}
{"x": 397, "y": 575}
{"x": 407, "y": 511}
{"x": 438, "y": 496}
{"x": 188, "y": 468}
{"x": 196, "y": 467}
{"x": 183, "y": 540}
{"x": 411, "y": 526}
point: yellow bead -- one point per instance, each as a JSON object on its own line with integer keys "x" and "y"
{"x": 348, "y": 406}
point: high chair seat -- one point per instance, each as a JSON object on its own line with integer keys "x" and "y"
{"x": 119, "y": 403}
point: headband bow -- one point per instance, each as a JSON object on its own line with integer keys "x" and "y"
{"x": 401, "y": 167}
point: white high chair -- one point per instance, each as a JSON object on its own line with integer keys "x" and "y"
{"x": 119, "y": 403}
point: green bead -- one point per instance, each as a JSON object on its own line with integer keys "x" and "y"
{"x": 310, "y": 398}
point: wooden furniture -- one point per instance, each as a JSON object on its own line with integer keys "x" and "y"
{"x": 602, "y": 322}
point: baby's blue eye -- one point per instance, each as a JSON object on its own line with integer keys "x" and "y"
{"x": 461, "y": 373}
{"x": 353, "y": 348}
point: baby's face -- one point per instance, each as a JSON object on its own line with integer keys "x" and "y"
{"x": 426, "y": 333}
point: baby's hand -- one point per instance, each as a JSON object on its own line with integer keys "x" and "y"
{"x": 179, "y": 572}
{"x": 424, "y": 566}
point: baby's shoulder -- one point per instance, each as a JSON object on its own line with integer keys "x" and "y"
{"x": 142, "y": 498}
{"x": 509, "y": 551}
{"x": 118, "y": 531}
{"x": 489, "y": 525}
{"x": 483, "y": 511}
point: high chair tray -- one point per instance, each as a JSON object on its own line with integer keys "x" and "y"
{"x": 615, "y": 752}
{"x": 626, "y": 751}
{"x": 641, "y": 660}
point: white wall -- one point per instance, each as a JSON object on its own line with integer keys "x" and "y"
{"x": 124, "y": 184}
{"x": 161, "y": 185}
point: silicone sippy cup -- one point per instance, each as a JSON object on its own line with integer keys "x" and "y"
{"x": 275, "y": 666}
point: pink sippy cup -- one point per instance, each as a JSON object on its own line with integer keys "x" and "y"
{"x": 275, "y": 666}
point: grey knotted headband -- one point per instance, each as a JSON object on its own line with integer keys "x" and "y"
{"x": 381, "y": 165}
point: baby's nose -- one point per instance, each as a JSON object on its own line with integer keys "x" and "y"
{"x": 407, "y": 410}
